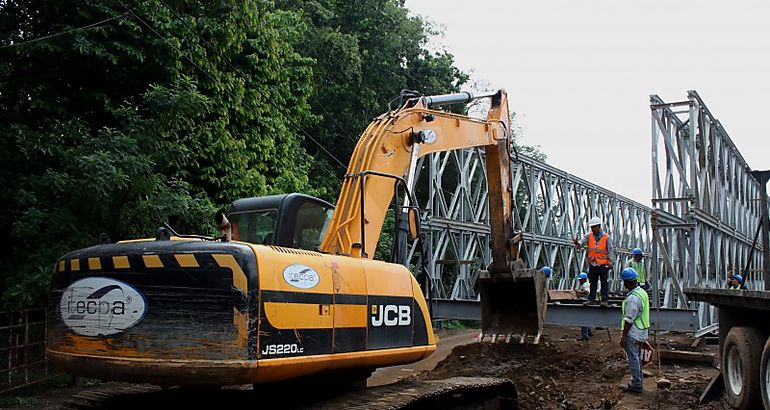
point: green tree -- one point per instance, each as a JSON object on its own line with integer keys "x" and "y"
{"x": 365, "y": 53}
{"x": 116, "y": 116}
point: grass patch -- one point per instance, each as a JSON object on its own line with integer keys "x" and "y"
{"x": 459, "y": 324}
{"x": 29, "y": 396}
{"x": 7, "y": 401}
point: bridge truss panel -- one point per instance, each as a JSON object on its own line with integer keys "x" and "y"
{"x": 704, "y": 220}
{"x": 706, "y": 204}
{"x": 552, "y": 208}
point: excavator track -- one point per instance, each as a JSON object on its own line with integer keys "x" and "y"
{"x": 453, "y": 393}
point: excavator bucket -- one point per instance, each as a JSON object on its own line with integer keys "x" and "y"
{"x": 513, "y": 301}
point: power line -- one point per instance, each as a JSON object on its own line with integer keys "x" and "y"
{"x": 34, "y": 40}
{"x": 269, "y": 101}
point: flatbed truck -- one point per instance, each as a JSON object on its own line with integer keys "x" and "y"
{"x": 744, "y": 343}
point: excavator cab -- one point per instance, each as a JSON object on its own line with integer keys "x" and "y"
{"x": 290, "y": 220}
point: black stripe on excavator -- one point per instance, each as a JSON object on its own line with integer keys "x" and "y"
{"x": 297, "y": 297}
{"x": 342, "y": 299}
{"x": 391, "y": 322}
{"x": 275, "y": 343}
{"x": 319, "y": 298}
{"x": 352, "y": 339}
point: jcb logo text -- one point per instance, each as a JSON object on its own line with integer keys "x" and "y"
{"x": 391, "y": 315}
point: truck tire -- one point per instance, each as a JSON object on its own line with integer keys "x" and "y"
{"x": 764, "y": 375}
{"x": 741, "y": 355}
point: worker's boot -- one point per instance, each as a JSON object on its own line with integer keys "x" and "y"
{"x": 629, "y": 389}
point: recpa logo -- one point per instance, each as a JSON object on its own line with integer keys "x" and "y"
{"x": 301, "y": 276}
{"x": 391, "y": 315}
{"x": 100, "y": 306}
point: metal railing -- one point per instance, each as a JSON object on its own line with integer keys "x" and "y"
{"x": 23, "y": 349}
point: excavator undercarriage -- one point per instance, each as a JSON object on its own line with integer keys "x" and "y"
{"x": 454, "y": 393}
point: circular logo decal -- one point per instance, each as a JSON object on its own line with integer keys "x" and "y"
{"x": 301, "y": 276}
{"x": 99, "y": 306}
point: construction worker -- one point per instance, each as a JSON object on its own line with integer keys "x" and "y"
{"x": 600, "y": 255}
{"x": 582, "y": 291}
{"x": 548, "y": 272}
{"x": 637, "y": 262}
{"x": 635, "y": 324}
{"x": 735, "y": 282}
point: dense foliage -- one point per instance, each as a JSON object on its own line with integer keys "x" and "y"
{"x": 155, "y": 115}
{"x": 366, "y": 52}
{"x": 118, "y": 116}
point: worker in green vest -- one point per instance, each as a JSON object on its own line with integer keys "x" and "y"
{"x": 637, "y": 262}
{"x": 735, "y": 282}
{"x": 635, "y": 325}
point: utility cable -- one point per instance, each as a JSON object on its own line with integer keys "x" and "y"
{"x": 34, "y": 40}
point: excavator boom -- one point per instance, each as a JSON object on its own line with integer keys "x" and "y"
{"x": 513, "y": 297}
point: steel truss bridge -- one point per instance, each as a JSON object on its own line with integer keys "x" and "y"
{"x": 703, "y": 224}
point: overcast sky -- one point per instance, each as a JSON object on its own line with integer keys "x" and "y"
{"x": 579, "y": 73}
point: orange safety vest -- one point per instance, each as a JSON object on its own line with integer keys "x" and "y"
{"x": 597, "y": 253}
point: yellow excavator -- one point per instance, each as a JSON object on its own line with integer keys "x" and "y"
{"x": 291, "y": 289}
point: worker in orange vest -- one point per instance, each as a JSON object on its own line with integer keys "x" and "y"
{"x": 600, "y": 254}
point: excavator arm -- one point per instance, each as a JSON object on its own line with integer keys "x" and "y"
{"x": 389, "y": 149}
{"x": 391, "y": 145}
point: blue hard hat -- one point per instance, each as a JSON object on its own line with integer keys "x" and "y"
{"x": 547, "y": 270}
{"x": 582, "y": 275}
{"x": 636, "y": 251}
{"x": 739, "y": 278}
{"x": 628, "y": 274}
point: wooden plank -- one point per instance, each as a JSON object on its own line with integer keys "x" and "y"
{"x": 698, "y": 342}
{"x": 684, "y": 356}
{"x": 562, "y": 295}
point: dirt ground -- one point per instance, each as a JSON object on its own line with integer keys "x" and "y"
{"x": 564, "y": 373}
{"x": 448, "y": 340}
{"x": 558, "y": 373}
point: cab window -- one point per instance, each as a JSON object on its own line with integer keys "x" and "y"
{"x": 312, "y": 221}
{"x": 255, "y": 226}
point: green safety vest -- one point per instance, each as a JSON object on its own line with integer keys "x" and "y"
{"x": 732, "y": 287}
{"x": 639, "y": 268}
{"x": 643, "y": 321}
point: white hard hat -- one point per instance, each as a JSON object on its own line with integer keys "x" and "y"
{"x": 594, "y": 221}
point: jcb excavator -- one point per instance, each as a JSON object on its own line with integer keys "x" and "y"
{"x": 291, "y": 290}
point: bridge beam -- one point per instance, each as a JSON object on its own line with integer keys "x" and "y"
{"x": 575, "y": 314}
